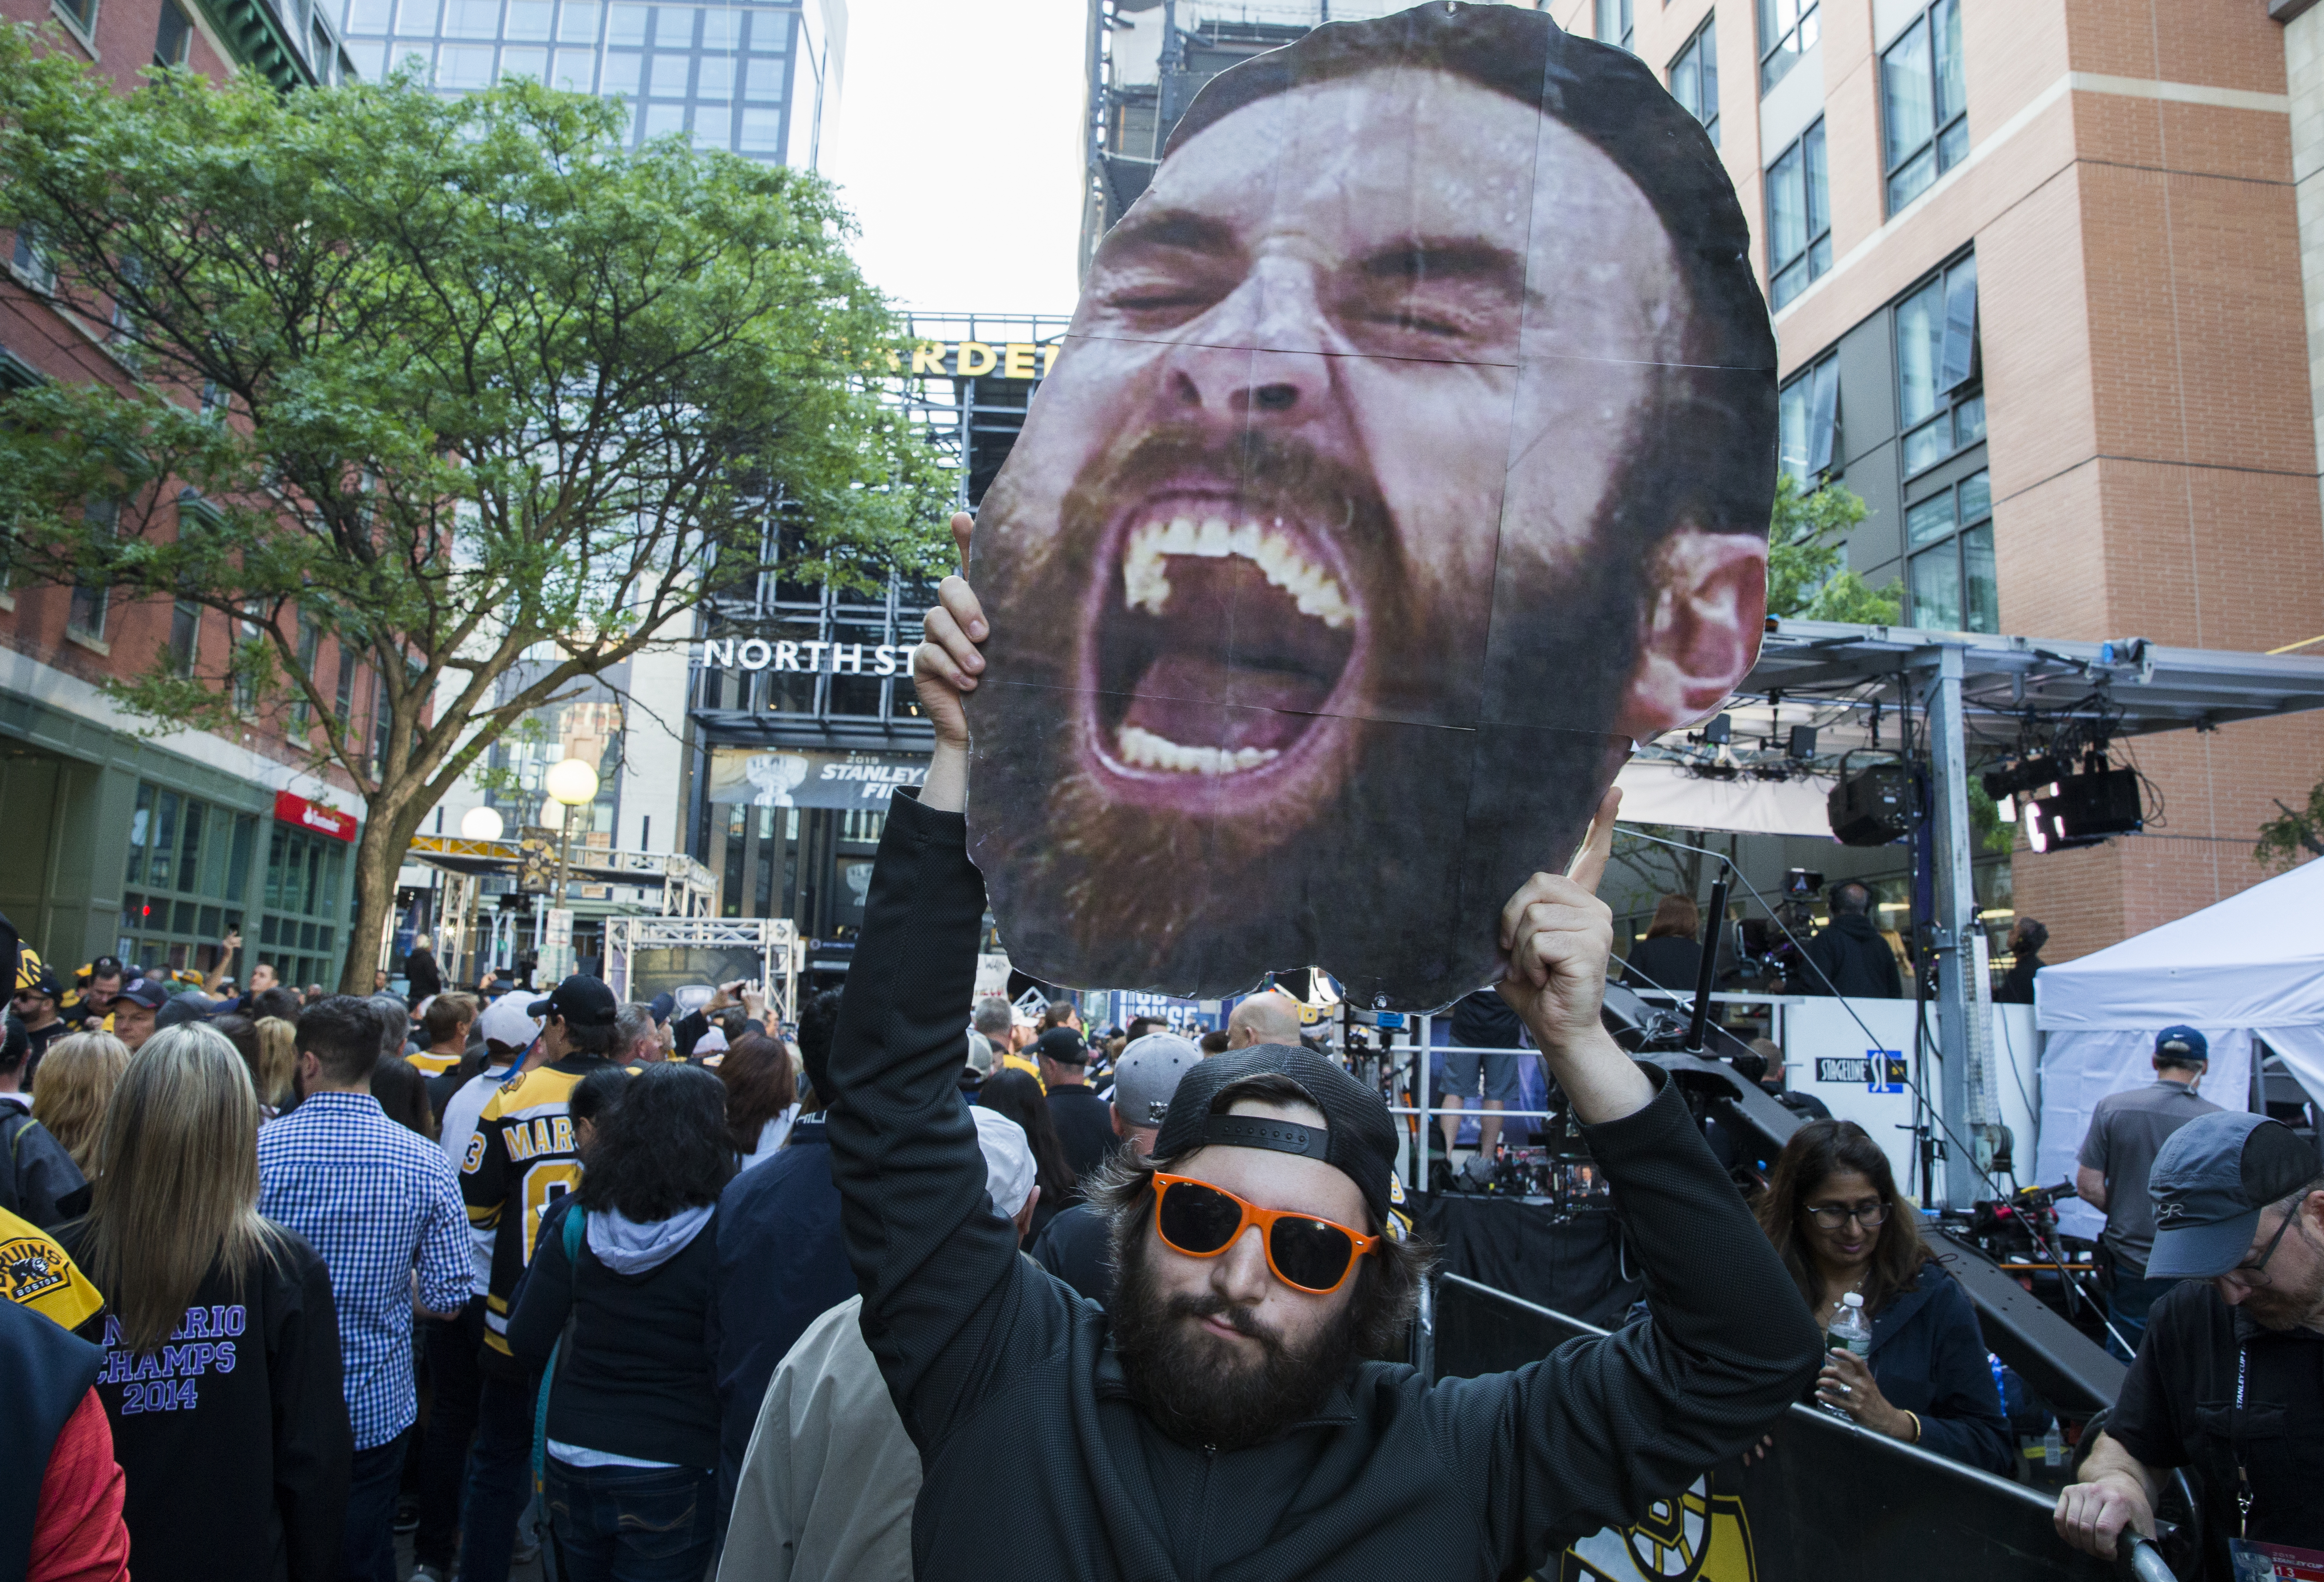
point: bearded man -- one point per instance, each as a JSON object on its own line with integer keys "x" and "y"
{"x": 1410, "y": 453}
{"x": 1224, "y": 1413}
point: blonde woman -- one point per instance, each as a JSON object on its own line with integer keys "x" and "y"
{"x": 222, "y": 1344}
{"x": 75, "y": 1085}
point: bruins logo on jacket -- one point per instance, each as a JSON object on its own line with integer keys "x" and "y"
{"x": 1702, "y": 1534}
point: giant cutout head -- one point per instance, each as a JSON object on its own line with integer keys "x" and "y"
{"x": 1411, "y": 454}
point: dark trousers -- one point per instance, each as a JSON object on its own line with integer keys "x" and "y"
{"x": 2127, "y": 1305}
{"x": 456, "y": 1384}
{"x": 500, "y": 1477}
{"x": 632, "y": 1523}
{"x": 367, "y": 1542}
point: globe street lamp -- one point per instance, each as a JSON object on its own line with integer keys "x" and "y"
{"x": 481, "y": 823}
{"x": 572, "y": 784}
{"x": 478, "y": 824}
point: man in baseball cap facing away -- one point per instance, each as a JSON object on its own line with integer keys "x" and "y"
{"x": 2231, "y": 1376}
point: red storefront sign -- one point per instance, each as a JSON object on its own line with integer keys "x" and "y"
{"x": 313, "y": 815}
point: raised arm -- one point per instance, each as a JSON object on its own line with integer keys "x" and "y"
{"x": 1593, "y": 1434}
{"x": 938, "y": 1268}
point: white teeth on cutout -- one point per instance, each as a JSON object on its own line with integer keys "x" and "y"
{"x": 1145, "y": 581}
{"x": 1143, "y": 749}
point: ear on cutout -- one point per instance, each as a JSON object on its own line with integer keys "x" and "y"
{"x": 1708, "y": 611}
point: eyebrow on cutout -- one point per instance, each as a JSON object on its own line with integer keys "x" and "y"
{"x": 1183, "y": 229}
{"x": 1467, "y": 259}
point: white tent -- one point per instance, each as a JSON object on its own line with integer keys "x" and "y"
{"x": 2252, "y": 966}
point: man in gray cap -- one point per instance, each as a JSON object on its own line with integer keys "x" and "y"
{"x": 1231, "y": 1412}
{"x": 1072, "y": 1246}
{"x": 2231, "y": 1376}
{"x": 2126, "y": 1131}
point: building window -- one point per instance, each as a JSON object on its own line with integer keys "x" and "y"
{"x": 87, "y": 613}
{"x": 1949, "y": 536}
{"x": 1788, "y": 29}
{"x": 1615, "y": 23}
{"x": 1694, "y": 78}
{"x": 81, "y": 13}
{"x": 669, "y": 73}
{"x": 370, "y": 16}
{"x": 761, "y": 133}
{"x": 578, "y": 23}
{"x": 188, "y": 869}
{"x": 464, "y": 66}
{"x": 1808, "y": 422}
{"x": 532, "y": 63}
{"x": 185, "y": 637}
{"x": 1940, "y": 370}
{"x": 311, "y": 639}
{"x": 529, "y": 19}
{"x": 343, "y": 701}
{"x": 1923, "y": 103}
{"x": 301, "y": 931}
{"x": 1799, "y": 218}
{"x": 173, "y": 37}
{"x": 246, "y": 663}
{"x": 31, "y": 260}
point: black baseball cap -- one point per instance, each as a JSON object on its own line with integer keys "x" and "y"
{"x": 582, "y": 1000}
{"x": 2211, "y": 1179}
{"x": 193, "y": 1006}
{"x": 1359, "y": 1140}
{"x": 150, "y": 992}
{"x": 1064, "y": 1045}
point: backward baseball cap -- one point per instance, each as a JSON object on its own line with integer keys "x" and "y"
{"x": 1358, "y": 1138}
{"x": 1148, "y": 1075}
{"x": 2211, "y": 1179}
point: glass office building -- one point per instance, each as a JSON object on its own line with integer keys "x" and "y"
{"x": 757, "y": 78}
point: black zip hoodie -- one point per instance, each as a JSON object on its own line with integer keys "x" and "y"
{"x": 993, "y": 1364}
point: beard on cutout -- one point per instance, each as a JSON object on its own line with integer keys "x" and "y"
{"x": 1290, "y": 656}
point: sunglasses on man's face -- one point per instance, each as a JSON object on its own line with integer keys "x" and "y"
{"x": 1306, "y": 1254}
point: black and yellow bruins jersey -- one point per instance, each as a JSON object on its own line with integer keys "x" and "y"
{"x": 520, "y": 1161}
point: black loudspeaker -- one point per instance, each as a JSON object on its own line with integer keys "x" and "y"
{"x": 1872, "y": 807}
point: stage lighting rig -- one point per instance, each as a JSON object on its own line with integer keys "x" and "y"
{"x": 2084, "y": 808}
{"x": 1873, "y": 806}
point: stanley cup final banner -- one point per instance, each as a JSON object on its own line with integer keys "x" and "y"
{"x": 1411, "y": 456}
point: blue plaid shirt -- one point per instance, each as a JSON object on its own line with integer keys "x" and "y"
{"x": 373, "y": 1197}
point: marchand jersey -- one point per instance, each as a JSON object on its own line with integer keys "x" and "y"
{"x": 519, "y": 1162}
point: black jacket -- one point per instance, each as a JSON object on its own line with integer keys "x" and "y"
{"x": 45, "y": 1374}
{"x": 781, "y": 1265}
{"x": 39, "y": 1180}
{"x": 1667, "y": 961}
{"x": 1084, "y": 1124}
{"x": 995, "y": 1365}
{"x": 1929, "y": 1358}
{"x": 635, "y": 1378}
{"x": 1855, "y": 959}
{"x": 233, "y": 1437}
{"x": 1073, "y": 1248}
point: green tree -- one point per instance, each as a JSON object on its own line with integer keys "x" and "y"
{"x": 2293, "y": 830}
{"x": 455, "y": 381}
{"x": 1807, "y": 539}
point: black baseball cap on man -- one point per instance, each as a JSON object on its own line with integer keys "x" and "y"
{"x": 1359, "y": 1139}
{"x": 150, "y": 992}
{"x": 580, "y": 1001}
{"x": 2211, "y": 1179}
{"x": 1064, "y": 1045}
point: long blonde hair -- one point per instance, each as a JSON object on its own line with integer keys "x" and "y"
{"x": 72, "y": 1088}
{"x": 180, "y": 1192}
{"x": 278, "y": 1060}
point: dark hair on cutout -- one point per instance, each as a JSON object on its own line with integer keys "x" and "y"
{"x": 1817, "y": 1151}
{"x": 760, "y": 1086}
{"x": 663, "y": 1148}
{"x": 1388, "y": 1284}
{"x": 1018, "y": 1095}
{"x": 343, "y": 1032}
{"x": 1711, "y": 456}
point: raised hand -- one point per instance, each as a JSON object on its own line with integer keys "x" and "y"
{"x": 1558, "y": 936}
{"x": 946, "y": 663}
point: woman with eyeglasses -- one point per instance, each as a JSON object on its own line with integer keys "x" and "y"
{"x": 1832, "y": 1211}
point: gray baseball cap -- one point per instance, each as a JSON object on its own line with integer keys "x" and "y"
{"x": 2211, "y": 1179}
{"x": 1148, "y": 1073}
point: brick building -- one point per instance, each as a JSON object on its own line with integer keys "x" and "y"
{"x": 152, "y": 847}
{"x": 2036, "y": 277}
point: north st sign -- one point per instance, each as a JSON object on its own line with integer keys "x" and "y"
{"x": 807, "y": 658}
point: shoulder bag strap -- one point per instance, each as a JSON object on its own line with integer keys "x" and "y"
{"x": 577, "y": 1218}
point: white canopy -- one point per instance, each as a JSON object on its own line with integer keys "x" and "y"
{"x": 1658, "y": 792}
{"x": 2250, "y": 967}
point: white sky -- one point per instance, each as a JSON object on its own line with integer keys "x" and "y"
{"x": 959, "y": 151}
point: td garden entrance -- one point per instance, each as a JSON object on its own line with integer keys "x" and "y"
{"x": 793, "y": 830}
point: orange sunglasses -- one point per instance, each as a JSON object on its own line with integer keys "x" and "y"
{"x": 1306, "y": 1254}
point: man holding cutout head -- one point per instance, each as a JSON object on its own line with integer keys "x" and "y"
{"x": 1222, "y": 1416}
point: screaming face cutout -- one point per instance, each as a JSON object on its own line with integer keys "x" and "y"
{"x": 1332, "y": 575}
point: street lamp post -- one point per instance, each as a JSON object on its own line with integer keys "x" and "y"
{"x": 571, "y": 784}
{"x": 480, "y": 822}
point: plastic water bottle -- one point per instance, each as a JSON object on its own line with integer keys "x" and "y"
{"x": 2053, "y": 1446}
{"x": 1850, "y": 1332}
{"x": 1850, "y": 1328}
